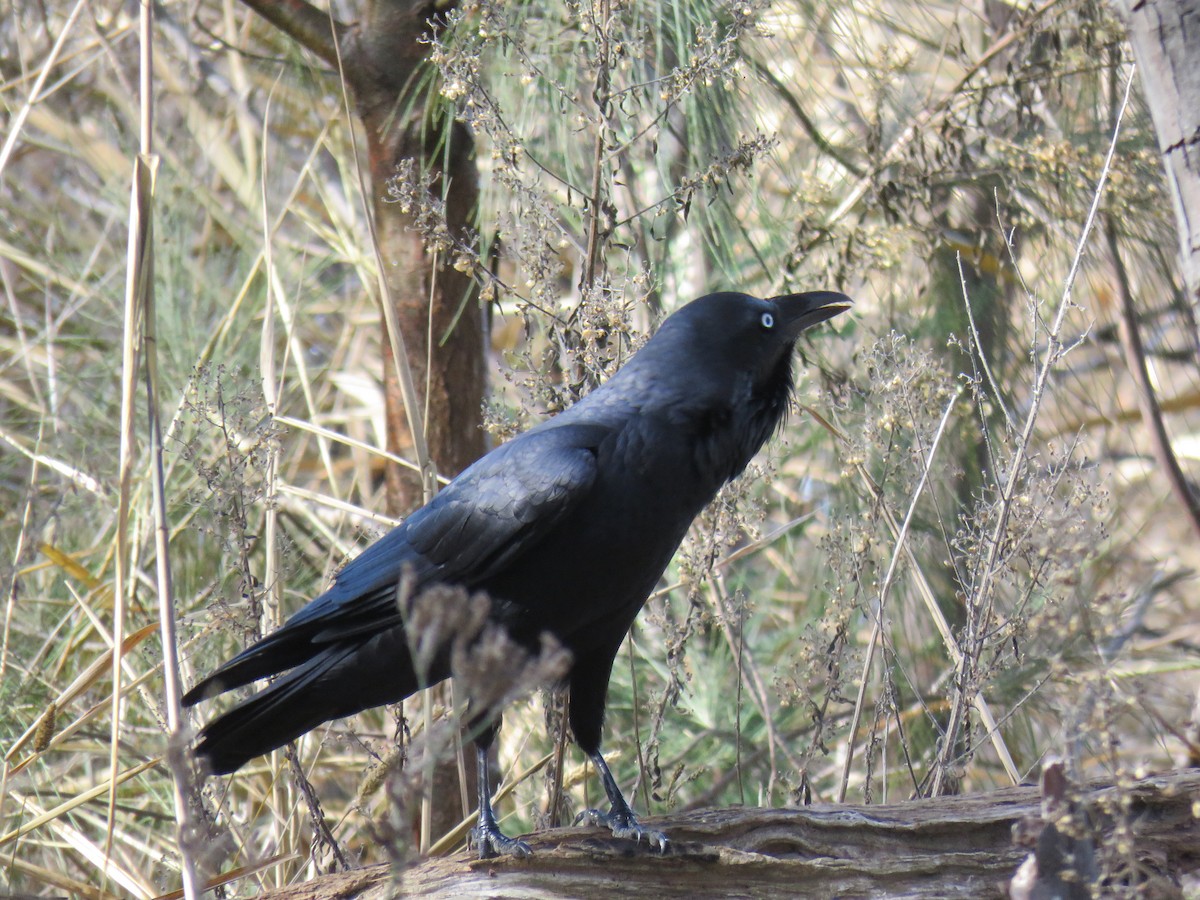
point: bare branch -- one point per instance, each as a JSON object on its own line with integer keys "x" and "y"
{"x": 1135, "y": 359}
{"x": 312, "y": 28}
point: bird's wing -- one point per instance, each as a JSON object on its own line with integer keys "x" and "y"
{"x": 492, "y": 513}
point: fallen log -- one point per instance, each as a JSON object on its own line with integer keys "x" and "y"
{"x": 940, "y": 848}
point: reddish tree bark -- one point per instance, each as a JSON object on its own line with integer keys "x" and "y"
{"x": 381, "y": 56}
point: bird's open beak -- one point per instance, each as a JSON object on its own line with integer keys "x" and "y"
{"x": 801, "y": 311}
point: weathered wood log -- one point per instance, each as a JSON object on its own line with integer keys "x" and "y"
{"x": 941, "y": 848}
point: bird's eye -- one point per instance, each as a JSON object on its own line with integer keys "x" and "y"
{"x": 768, "y": 320}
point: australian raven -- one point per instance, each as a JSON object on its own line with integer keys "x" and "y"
{"x": 567, "y": 528}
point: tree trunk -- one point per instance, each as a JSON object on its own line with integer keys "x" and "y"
{"x": 436, "y": 306}
{"x": 945, "y": 847}
{"x": 382, "y": 56}
{"x": 1165, "y": 35}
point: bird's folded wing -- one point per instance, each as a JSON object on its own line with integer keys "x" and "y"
{"x": 492, "y": 513}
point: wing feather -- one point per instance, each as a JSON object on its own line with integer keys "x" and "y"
{"x": 493, "y": 512}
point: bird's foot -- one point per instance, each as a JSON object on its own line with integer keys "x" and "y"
{"x": 489, "y": 841}
{"x": 624, "y": 824}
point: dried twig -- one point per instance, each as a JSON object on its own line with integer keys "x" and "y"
{"x": 981, "y": 602}
{"x": 877, "y": 625}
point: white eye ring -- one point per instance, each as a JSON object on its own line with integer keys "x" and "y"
{"x": 768, "y": 320}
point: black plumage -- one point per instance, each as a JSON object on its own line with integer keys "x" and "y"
{"x": 567, "y": 528}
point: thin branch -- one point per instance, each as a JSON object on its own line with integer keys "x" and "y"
{"x": 924, "y": 122}
{"x": 172, "y": 689}
{"x": 929, "y": 598}
{"x": 312, "y": 28}
{"x": 18, "y": 121}
{"x": 1135, "y": 359}
{"x": 597, "y": 233}
{"x": 877, "y": 626}
{"x": 810, "y": 127}
{"x": 987, "y": 369}
{"x": 140, "y": 276}
{"x": 749, "y": 674}
{"x": 980, "y": 603}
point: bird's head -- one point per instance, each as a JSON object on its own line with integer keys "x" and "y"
{"x": 723, "y": 352}
{"x": 737, "y": 336}
{"x": 718, "y": 373}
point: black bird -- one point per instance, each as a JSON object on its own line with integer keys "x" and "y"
{"x": 567, "y": 528}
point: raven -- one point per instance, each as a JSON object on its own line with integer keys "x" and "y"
{"x": 566, "y": 527}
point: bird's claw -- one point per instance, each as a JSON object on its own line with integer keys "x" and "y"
{"x": 624, "y": 824}
{"x": 492, "y": 842}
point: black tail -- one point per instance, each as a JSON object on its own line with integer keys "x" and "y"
{"x": 275, "y": 653}
{"x": 342, "y": 679}
{"x": 272, "y": 717}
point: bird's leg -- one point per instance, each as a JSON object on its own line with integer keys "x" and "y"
{"x": 620, "y": 817}
{"x": 486, "y": 837}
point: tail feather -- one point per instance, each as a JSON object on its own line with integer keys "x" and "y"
{"x": 301, "y": 638}
{"x": 275, "y": 653}
{"x": 342, "y": 679}
{"x": 268, "y": 720}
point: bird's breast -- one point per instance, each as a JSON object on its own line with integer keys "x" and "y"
{"x": 594, "y": 570}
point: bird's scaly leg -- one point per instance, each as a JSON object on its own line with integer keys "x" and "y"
{"x": 486, "y": 837}
{"x": 620, "y": 817}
